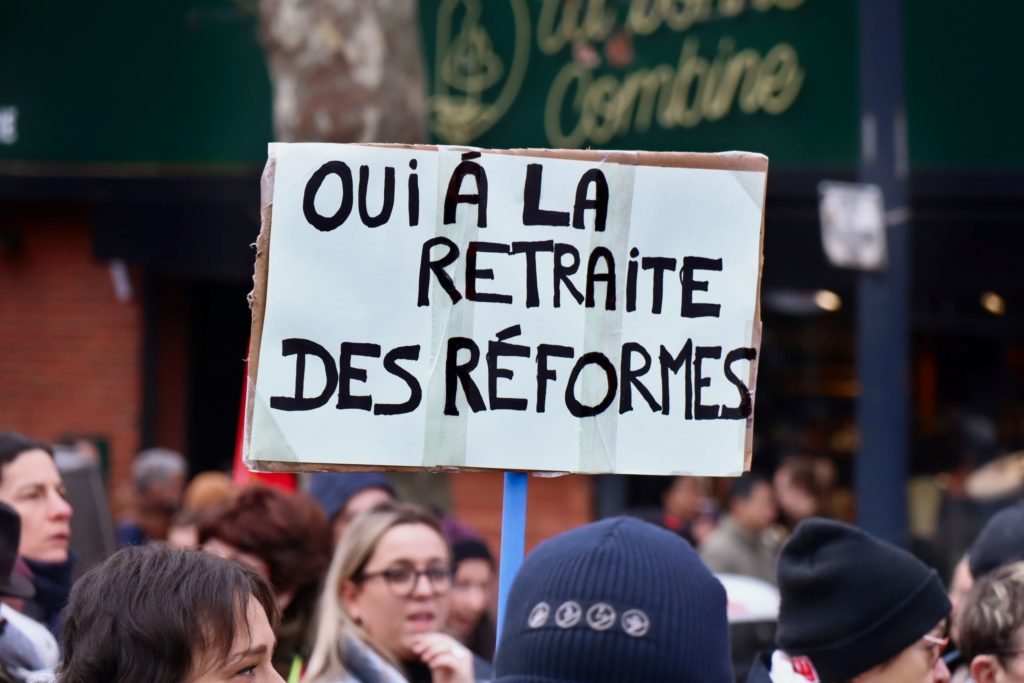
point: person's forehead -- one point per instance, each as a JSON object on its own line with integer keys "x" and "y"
{"x": 30, "y": 466}
{"x": 258, "y": 632}
{"x": 474, "y": 568}
{"x": 414, "y": 542}
{"x": 367, "y": 498}
{"x": 252, "y": 632}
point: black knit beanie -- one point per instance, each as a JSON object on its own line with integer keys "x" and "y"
{"x": 613, "y": 601}
{"x": 471, "y": 549}
{"x": 1000, "y": 542}
{"x": 851, "y": 601}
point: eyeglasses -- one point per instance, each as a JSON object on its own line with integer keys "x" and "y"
{"x": 937, "y": 646}
{"x": 402, "y": 581}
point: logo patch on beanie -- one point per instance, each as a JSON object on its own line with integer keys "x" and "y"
{"x": 539, "y": 615}
{"x": 803, "y": 667}
{"x": 568, "y": 615}
{"x": 601, "y": 616}
{"x": 636, "y": 623}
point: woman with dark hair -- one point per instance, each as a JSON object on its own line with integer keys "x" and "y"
{"x": 31, "y": 484}
{"x": 159, "y": 615}
{"x": 469, "y": 618}
{"x": 385, "y": 604}
{"x": 286, "y": 539}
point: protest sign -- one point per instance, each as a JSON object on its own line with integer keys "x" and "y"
{"x": 530, "y": 310}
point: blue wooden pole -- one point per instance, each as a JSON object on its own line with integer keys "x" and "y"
{"x": 513, "y": 538}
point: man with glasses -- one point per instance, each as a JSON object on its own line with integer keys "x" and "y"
{"x": 992, "y": 626}
{"x": 855, "y": 609}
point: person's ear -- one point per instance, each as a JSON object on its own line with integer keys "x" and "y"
{"x": 349, "y": 592}
{"x": 984, "y": 668}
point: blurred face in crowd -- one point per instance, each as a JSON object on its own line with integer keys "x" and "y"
{"x": 757, "y": 512}
{"x": 793, "y": 495}
{"x": 684, "y": 497}
{"x": 403, "y": 590}
{"x": 183, "y": 536}
{"x": 366, "y": 499}
{"x": 250, "y": 656}
{"x": 958, "y": 589}
{"x": 167, "y": 494}
{"x": 471, "y": 594}
{"x": 919, "y": 663}
{"x": 32, "y": 485}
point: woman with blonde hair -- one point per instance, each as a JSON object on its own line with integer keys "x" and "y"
{"x": 385, "y": 602}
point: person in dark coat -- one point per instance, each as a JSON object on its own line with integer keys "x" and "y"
{"x": 31, "y": 484}
{"x": 854, "y": 608}
{"x": 27, "y": 648}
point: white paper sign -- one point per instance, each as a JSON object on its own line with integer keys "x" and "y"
{"x": 454, "y": 308}
{"x": 852, "y": 224}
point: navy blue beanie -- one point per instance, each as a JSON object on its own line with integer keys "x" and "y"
{"x": 333, "y": 490}
{"x": 1000, "y": 542}
{"x": 850, "y": 601}
{"x": 617, "y": 600}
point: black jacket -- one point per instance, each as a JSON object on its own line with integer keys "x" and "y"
{"x": 760, "y": 670}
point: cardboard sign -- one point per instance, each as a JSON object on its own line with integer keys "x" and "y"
{"x": 536, "y": 310}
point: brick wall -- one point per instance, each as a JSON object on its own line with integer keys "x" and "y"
{"x": 70, "y": 352}
{"x": 553, "y": 505}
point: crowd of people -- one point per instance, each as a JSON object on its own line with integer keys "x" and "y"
{"x": 344, "y": 583}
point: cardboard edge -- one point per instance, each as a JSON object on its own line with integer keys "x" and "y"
{"x": 755, "y": 341}
{"x": 720, "y": 161}
{"x": 258, "y": 296}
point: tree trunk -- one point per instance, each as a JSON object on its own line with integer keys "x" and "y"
{"x": 345, "y": 70}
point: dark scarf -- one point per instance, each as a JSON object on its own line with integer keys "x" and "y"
{"x": 52, "y": 581}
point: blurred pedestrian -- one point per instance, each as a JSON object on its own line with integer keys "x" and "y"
{"x": 31, "y": 484}
{"x": 744, "y": 542}
{"x": 343, "y": 495}
{"x": 161, "y": 615}
{"x": 854, "y": 608}
{"x": 469, "y": 618}
{"x": 796, "y": 491}
{"x": 385, "y": 604}
{"x": 959, "y": 586}
{"x": 617, "y": 600}
{"x": 158, "y": 484}
{"x": 992, "y": 626}
{"x": 284, "y": 538}
{"x": 687, "y": 510}
{"x": 204, "y": 494}
{"x": 999, "y": 543}
{"x": 27, "y": 648}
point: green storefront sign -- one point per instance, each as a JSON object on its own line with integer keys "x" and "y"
{"x": 185, "y": 82}
{"x": 776, "y": 76}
